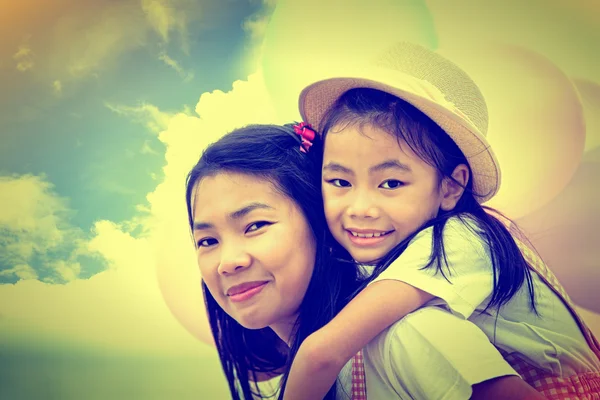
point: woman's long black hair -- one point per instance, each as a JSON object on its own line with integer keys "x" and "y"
{"x": 272, "y": 152}
{"x": 435, "y": 147}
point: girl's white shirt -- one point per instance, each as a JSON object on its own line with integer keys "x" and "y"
{"x": 551, "y": 340}
{"x": 429, "y": 354}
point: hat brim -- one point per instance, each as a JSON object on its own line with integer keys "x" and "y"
{"x": 317, "y": 98}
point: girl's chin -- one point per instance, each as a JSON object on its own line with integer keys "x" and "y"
{"x": 367, "y": 261}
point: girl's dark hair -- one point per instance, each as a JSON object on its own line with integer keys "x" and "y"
{"x": 272, "y": 153}
{"x": 435, "y": 147}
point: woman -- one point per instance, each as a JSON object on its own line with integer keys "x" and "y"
{"x": 264, "y": 166}
{"x": 272, "y": 275}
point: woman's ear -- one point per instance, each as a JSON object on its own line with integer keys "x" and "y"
{"x": 452, "y": 189}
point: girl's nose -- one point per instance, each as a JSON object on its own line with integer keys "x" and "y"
{"x": 363, "y": 206}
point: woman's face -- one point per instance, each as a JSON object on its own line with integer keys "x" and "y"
{"x": 255, "y": 250}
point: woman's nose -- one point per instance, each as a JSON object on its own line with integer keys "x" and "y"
{"x": 234, "y": 259}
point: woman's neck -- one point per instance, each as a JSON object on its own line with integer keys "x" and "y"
{"x": 284, "y": 329}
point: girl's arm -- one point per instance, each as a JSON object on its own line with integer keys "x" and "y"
{"x": 323, "y": 354}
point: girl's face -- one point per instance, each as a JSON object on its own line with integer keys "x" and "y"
{"x": 255, "y": 250}
{"x": 376, "y": 191}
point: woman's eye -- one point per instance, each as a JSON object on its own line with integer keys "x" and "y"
{"x": 206, "y": 242}
{"x": 339, "y": 182}
{"x": 391, "y": 184}
{"x": 256, "y": 226}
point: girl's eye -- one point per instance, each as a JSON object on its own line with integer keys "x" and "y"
{"x": 256, "y": 226}
{"x": 339, "y": 183}
{"x": 206, "y": 242}
{"x": 391, "y": 184}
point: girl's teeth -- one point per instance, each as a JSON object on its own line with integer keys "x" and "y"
{"x": 367, "y": 235}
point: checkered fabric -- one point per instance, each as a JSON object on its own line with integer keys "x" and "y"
{"x": 584, "y": 386}
{"x": 359, "y": 383}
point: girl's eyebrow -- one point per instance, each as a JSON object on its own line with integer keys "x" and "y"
{"x": 335, "y": 167}
{"x": 387, "y": 164}
{"x": 235, "y": 215}
{"x": 390, "y": 164}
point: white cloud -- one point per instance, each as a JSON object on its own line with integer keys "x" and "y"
{"x": 24, "y": 58}
{"x": 23, "y": 52}
{"x": 119, "y": 248}
{"x": 71, "y": 44}
{"x": 67, "y": 271}
{"x": 28, "y": 205}
{"x": 186, "y": 75}
{"x": 147, "y": 149}
{"x": 57, "y": 87}
{"x": 22, "y": 271}
{"x": 85, "y": 44}
{"x": 160, "y": 16}
{"x": 24, "y": 65}
{"x": 165, "y": 16}
{"x": 147, "y": 114}
{"x": 34, "y": 224}
{"x": 255, "y": 27}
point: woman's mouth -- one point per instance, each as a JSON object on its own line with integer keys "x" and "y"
{"x": 245, "y": 291}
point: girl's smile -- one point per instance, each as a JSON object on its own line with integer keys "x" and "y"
{"x": 362, "y": 237}
{"x": 370, "y": 179}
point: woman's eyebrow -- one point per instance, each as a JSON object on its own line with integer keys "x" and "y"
{"x": 237, "y": 214}
{"x": 248, "y": 209}
{"x": 198, "y": 226}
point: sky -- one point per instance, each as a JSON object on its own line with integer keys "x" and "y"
{"x": 105, "y": 106}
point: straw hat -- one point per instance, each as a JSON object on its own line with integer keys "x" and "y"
{"x": 434, "y": 85}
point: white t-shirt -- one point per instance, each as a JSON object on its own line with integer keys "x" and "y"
{"x": 552, "y": 341}
{"x": 429, "y": 354}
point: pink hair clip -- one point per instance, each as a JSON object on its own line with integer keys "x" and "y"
{"x": 307, "y": 135}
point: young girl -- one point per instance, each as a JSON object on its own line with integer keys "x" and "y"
{"x": 406, "y": 167}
